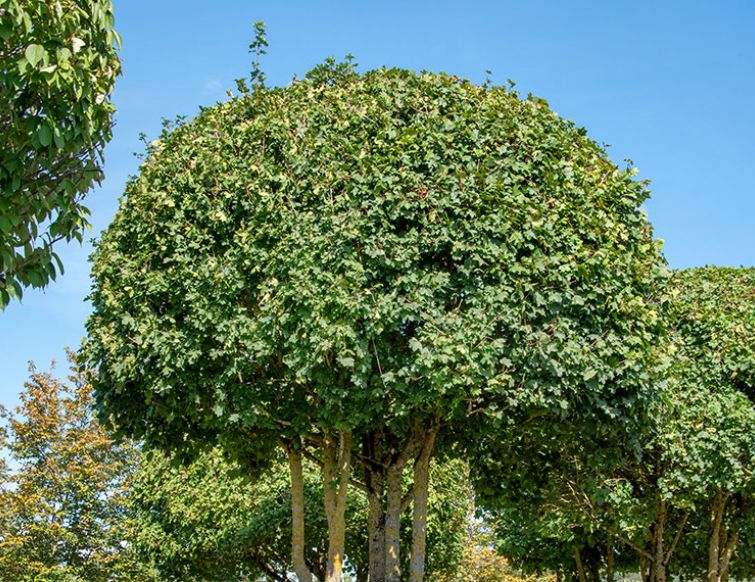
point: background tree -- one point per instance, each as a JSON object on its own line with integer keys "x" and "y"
{"x": 709, "y": 445}
{"x": 677, "y": 498}
{"x": 58, "y": 66}
{"x": 368, "y": 259}
{"x": 63, "y": 508}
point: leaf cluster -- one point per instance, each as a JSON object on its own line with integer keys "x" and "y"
{"x": 58, "y": 65}
{"x": 355, "y": 246}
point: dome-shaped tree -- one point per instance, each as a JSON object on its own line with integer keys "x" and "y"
{"x": 372, "y": 257}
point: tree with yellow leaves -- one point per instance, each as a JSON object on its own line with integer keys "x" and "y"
{"x": 62, "y": 494}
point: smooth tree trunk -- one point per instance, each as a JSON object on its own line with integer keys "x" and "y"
{"x": 394, "y": 485}
{"x": 336, "y": 475}
{"x": 659, "y": 565}
{"x": 721, "y": 543}
{"x": 419, "y": 519}
{"x": 376, "y": 527}
{"x": 374, "y": 458}
{"x": 301, "y": 570}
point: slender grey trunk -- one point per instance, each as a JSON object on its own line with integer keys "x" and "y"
{"x": 419, "y": 518}
{"x": 373, "y": 451}
{"x": 301, "y": 570}
{"x": 721, "y": 543}
{"x": 393, "y": 524}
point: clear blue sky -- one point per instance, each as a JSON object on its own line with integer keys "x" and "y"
{"x": 669, "y": 84}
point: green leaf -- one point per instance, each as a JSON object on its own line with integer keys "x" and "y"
{"x": 6, "y": 30}
{"x": 34, "y": 53}
{"x": 44, "y": 135}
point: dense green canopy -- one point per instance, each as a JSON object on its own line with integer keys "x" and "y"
{"x": 58, "y": 66}
{"x": 680, "y": 495}
{"x": 372, "y": 244}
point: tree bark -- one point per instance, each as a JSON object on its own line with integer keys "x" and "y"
{"x": 373, "y": 452}
{"x": 394, "y": 497}
{"x": 384, "y": 459}
{"x": 394, "y": 487}
{"x": 336, "y": 475}
{"x": 659, "y": 568}
{"x": 609, "y": 562}
{"x": 301, "y": 570}
{"x": 580, "y": 567}
{"x": 419, "y": 519}
{"x": 644, "y": 569}
{"x": 723, "y": 569}
{"x": 721, "y": 543}
{"x": 714, "y": 541}
{"x": 376, "y": 530}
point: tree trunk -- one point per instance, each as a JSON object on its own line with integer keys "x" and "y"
{"x": 419, "y": 519}
{"x": 412, "y": 446}
{"x": 393, "y": 524}
{"x": 723, "y": 569}
{"x": 594, "y": 565}
{"x": 373, "y": 450}
{"x": 336, "y": 474}
{"x": 714, "y": 540}
{"x": 609, "y": 562}
{"x": 659, "y": 568}
{"x": 376, "y": 530}
{"x": 297, "y": 515}
{"x": 384, "y": 459}
{"x": 644, "y": 569}
{"x": 721, "y": 543}
{"x": 580, "y": 567}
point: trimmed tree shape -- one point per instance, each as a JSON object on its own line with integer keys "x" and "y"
{"x": 58, "y": 66}
{"x": 369, "y": 259}
{"x": 681, "y": 501}
{"x": 709, "y": 445}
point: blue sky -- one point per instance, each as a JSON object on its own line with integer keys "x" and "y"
{"x": 669, "y": 84}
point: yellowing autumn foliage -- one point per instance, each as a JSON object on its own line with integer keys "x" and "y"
{"x": 63, "y": 488}
{"x": 482, "y": 564}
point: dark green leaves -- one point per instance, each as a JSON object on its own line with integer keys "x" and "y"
{"x": 44, "y": 135}
{"x": 57, "y": 117}
{"x": 352, "y": 248}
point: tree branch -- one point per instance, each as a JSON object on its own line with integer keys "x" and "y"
{"x": 358, "y": 485}
{"x": 676, "y": 539}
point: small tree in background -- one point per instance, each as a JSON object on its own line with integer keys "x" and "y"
{"x": 58, "y": 66}
{"x": 63, "y": 510}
